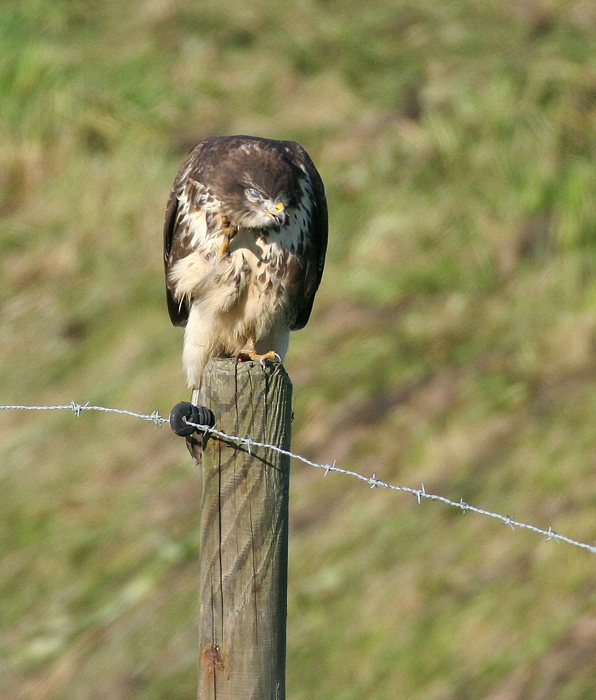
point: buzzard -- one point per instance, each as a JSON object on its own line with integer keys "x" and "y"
{"x": 244, "y": 245}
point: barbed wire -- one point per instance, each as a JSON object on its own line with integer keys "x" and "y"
{"x": 250, "y": 443}
{"x": 77, "y": 408}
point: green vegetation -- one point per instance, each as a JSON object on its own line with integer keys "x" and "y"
{"x": 453, "y": 341}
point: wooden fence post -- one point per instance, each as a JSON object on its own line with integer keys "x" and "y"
{"x": 244, "y": 532}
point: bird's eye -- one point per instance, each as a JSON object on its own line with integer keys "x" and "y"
{"x": 253, "y": 194}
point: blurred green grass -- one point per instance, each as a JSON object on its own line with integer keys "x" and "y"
{"x": 452, "y": 342}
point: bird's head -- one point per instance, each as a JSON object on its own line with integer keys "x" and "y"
{"x": 258, "y": 185}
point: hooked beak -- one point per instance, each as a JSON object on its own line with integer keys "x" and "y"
{"x": 279, "y": 214}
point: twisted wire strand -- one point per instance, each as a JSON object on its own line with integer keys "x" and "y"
{"x": 251, "y": 444}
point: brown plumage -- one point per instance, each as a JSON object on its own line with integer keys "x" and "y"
{"x": 244, "y": 244}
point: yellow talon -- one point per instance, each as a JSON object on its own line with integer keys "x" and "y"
{"x": 229, "y": 231}
{"x": 249, "y": 354}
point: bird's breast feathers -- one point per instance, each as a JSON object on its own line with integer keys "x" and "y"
{"x": 254, "y": 271}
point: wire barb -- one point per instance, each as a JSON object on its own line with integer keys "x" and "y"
{"x": 420, "y": 493}
{"x": 508, "y": 520}
{"x": 77, "y": 407}
{"x": 157, "y": 419}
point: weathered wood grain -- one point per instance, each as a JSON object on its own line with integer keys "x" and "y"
{"x": 244, "y": 533}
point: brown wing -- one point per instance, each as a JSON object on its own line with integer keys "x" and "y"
{"x": 312, "y": 260}
{"x": 177, "y": 235}
{"x": 178, "y": 310}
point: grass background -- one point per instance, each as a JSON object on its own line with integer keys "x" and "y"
{"x": 453, "y": 340}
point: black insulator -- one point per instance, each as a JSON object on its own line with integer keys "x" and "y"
{"x": 184, "y": 413}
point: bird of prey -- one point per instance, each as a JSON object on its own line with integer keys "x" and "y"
{"x": 244, "y": 244}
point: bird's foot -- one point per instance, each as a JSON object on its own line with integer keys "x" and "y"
{"x": 250, "y": 355}
{"x": 230, "y": 230}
